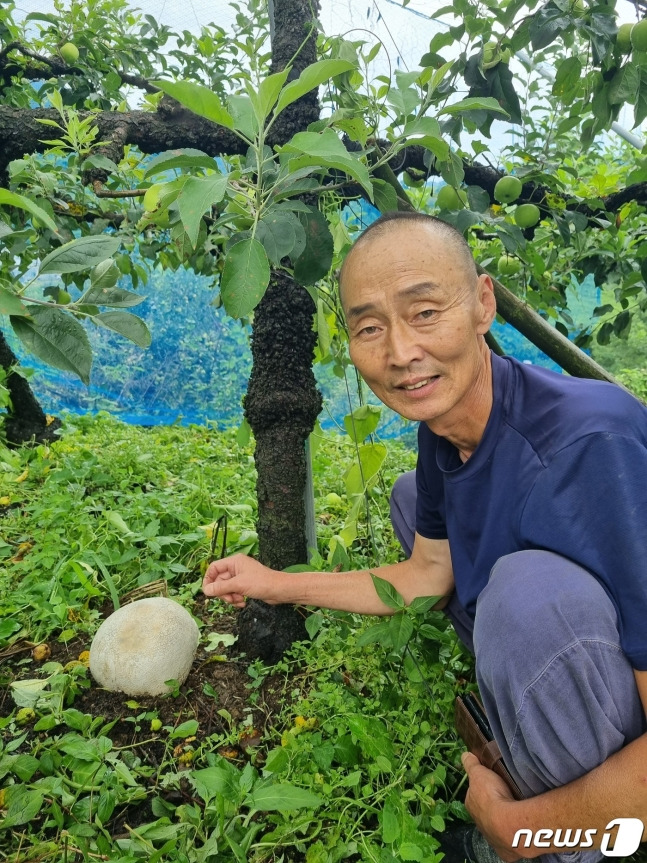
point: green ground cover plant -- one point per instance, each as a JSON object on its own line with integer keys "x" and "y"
{"x": 342, "y": 751}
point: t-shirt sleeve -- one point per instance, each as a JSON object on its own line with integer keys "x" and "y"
{"x": 430, "y": 500}
{"x": 590, "y": 505}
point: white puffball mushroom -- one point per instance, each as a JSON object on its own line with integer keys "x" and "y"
{"x": 143, "y": 644}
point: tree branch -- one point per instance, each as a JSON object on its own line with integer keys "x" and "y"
{"x": 168, "y": 128}
{"x": 486, "y": 177}
{"x": 55, "y": 66}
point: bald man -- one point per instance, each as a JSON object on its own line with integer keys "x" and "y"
{"x": 527, "y": 514}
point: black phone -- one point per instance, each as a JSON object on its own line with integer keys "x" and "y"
{"x": 476, "y": 712}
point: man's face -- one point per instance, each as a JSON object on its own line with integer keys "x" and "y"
{"x": 415, "y": 314}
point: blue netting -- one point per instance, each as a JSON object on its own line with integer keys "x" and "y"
{"x": 197, "y": 367}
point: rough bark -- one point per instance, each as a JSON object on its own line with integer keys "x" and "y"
{"x": 170, "y": 127}
{"x": 281, "y": 406}
{"x": 282, "y": 401}
{"x": 26, "y": 421}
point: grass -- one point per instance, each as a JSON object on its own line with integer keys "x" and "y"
{"x": 353, "y": 755}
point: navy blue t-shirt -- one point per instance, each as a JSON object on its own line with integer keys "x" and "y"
{"x": 562, "y": 466}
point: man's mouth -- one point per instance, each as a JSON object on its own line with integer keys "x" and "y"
{"x": 417, "y": 385}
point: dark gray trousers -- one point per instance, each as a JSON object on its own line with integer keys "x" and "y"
{"x": 558, "y": 690}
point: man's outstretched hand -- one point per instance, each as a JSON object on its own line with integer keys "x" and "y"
{"x": 238, "y": 578}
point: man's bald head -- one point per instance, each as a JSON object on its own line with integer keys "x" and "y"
{"x": 389, "y": 223}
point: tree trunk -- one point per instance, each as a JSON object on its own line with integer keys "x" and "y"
{"x": 26, "y": 420}
{"x": 282, "y": 401}
{"x": 281, "y": 406}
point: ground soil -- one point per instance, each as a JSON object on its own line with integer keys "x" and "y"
{"x": 239, "y": 713}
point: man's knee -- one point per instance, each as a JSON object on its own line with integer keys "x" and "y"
{"x": 536, "y": 600}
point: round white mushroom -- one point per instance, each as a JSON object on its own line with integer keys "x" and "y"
{"x": 142, "y": 645}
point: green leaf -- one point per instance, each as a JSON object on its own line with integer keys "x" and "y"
{"x": 105, "y": 274}
{"x": 242, "y": 111}
{"x": 355, "y": 128}
{"x": 199, "y": 99}
{"x": 117, "y": 521}
{"x": 115, "y": 297}
{"x": 316, "y": 259}
{"x": 385, "y": 197}
{"x": 478, "y": 199}
{"x": 282, "y": 797}
{"x": 268, "y": 93}
{"x": 127, "y": 325}
{"x": 80, "y": 254}
{"x": 411, "y": 669}
{"x": 185, "y": 158}
{"x": 103, "y": 163}
{"x": 313, "y": 622}
{"x": 362, "y": 422}
{"x": 423, "y": 604}
{"x": 23, "y": 808}
{"x": 546, "y": 25}
{"x": 410, "y": 851}
{"x": 425, "y": 132}
{"x": 567, "y": 78}
{"x": 278, "y": 234}
{"x": 11, "y": 199}
{"x": 379, "y": 632}
{"x": 185, "y": 729}
{"x": 474, "y": 103}
{"x": 198, "y": 195}
{"x": 217, "y": 780}
{"x": 387, "y": 593}
{"x": 640, "y": 110}
{"x": 625, "y": 85}
{"x": 8, "y": 627}
{"x": 359, "y": 477}
{"x": 244, "y": 433}
{"x": 401, "y": 630}
{"x": 277, "y": 761}
{"x": 56, "y": 338}
{"x": 25, "y": 766}
{"x": 245, "y": 277}
{"x": 311, "y": 77}
{"x": 11, "y": 304}
{"x": 326, "y": 149}
{"x": 390, "y": 821}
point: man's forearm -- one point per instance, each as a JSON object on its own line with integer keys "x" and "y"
{"x": 354, "y": 591}
{"x": 615, "y": 789}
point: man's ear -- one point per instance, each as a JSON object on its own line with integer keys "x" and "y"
{"x": 486, "y": 303}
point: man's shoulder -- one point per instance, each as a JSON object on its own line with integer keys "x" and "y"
{"x": 555, "y": 409}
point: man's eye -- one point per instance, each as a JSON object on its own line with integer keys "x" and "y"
{"x": 427, "y": 313}
{"x": 368, "y": 331}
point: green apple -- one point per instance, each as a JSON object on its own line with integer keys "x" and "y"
{"x": 527, "y": 215}
{"x": 449, "y": 198}
{"x": 507, "y": 189}
{"x": 639, "y": 36}
{"x": 70, "y": 53}
{"x": 508, "y": 266}
{"x": 623, "y": 38}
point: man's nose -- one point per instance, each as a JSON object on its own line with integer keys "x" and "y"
{"x": 404, "y": 345}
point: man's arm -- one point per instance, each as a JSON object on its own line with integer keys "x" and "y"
{"x": 617, "y": 788}
{"x": 428, "y": 572}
